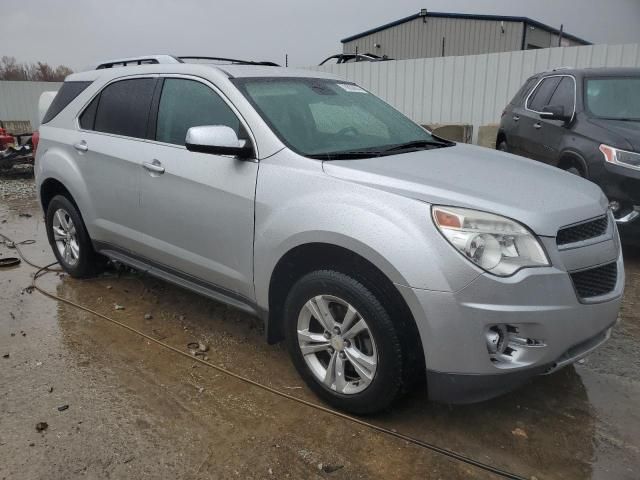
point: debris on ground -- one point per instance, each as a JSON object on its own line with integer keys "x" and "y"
{"x": 41, "y": 426}
{"x": 62, "y": 408}
{"x": 331, "y": 468}
{"x": 6, "y": 355}
{"x": 50, "y": 389}
{"x": 25, "y": 215}
{"x": 203, "y": 347}
{"x": 148, "y": 316}
{"x": 518, "y": 432}
{"x": 118, "y": 307}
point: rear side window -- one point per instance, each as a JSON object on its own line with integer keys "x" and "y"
{"x": 564, "y": 95}
{"x": 67, "y": 93}
{"x": 518, "y": 97}
{"x": 541, "y": 95}
{"x": 188, "y": 103}
{"x": 123, "y": 108}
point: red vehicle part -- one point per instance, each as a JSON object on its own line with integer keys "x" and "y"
{"x": 35, "y": 138}
{"x": 5, "y": 139}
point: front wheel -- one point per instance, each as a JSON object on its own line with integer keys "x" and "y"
{"x": 70, "y": 240}
{"x": 343, "y": 342}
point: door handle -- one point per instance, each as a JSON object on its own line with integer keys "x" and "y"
{"x": 155, "y": 166}
{"x": 537, "y": 126}
{"x": 81, "y": 147}
{"x": 516, "y": 118}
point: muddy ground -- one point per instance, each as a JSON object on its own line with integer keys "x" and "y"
{"x": 137, "y": 410}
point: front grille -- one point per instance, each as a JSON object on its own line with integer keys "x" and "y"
{"x": 583, "y": 231}
{"x": 595, "y": 281}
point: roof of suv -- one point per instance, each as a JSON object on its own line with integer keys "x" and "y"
{"x": 596, "y": 71}
{"x": 230, "y": 71}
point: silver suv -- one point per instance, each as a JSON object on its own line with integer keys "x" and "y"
{"x": 380, "y": 253}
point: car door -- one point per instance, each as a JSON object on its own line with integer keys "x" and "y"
{"x": 198, "y": 208}
{"x": 511, "y": 117}
{"x": 532, "y": 143}
{"x": 552, "y": 132}
{"x": 111, "y": 148}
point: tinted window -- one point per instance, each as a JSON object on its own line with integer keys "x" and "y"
{"x": 542, "y": 93}
{"x": 124, "y": 107}
{"x": 564, "y": 95}
{"x": 518, "y": 97}
{"x": 64, "y": 97}
{"x": 187, "y": 103}
{"x": 88, "y": 117}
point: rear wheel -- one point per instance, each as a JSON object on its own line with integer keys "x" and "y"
{"x": 344, "y": 343}
{"x": 503, "y": 146}
{"x": 70, "y": 240}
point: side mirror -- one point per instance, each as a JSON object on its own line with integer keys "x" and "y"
{"x": 555, "y": 112}
{"x": 217, "y": 140}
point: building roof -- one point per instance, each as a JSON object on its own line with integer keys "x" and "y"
{"x": 467, "y": 16}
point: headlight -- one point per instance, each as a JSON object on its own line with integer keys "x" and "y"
{"x": 496, "y": 244}
{"x": 621, "y": 157}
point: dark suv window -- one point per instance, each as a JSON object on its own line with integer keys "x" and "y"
{"x": 188, "y": 103}
{"x": 541, "y": 95}
{"x": 123, "y": 108}
{"x": 564, "y": 95}
{"x": 522, "y": 93}
{"x": 67, "y": 93}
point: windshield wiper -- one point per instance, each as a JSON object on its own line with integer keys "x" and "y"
{"x": 417, "y": 144}
{"x": 346, "y": 155}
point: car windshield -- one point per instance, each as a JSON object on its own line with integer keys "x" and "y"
{"x": 614, "y": 98}
{"x": 330, "y": 119}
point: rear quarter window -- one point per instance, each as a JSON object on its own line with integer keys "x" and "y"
{"x": 67, "y": 93}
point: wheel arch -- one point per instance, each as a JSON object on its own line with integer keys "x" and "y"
{"x": 308, "y": 257}
{"x": 501, "y": 136}
{"x": 569, "y": 158}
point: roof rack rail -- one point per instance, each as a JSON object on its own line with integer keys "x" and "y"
{"x": 164, "y": 59}
{"x": 562, "y": 68}
{"x": 230, "y": 60}
{"x": 142, "y": 60}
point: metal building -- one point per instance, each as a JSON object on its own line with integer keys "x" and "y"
{"x": 433, "y": 34}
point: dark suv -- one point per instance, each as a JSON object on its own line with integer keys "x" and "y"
{"x": 585, "y": 121}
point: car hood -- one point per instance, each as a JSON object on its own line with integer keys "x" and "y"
{"x": 543, "y": 198}
{"x": 630, "y": 131}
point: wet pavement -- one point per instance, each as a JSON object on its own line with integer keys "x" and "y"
{"x": 137, "y": 410}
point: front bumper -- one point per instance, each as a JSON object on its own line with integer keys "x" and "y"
{"x": 539, "y": 303}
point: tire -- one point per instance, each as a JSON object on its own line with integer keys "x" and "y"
{"x": 575, "y": 171}
{"x": 336, "y": 292}
{"x": 503, "y": 146}
{"x": 70, "y": 240}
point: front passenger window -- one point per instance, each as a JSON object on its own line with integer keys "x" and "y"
{"x": 189, "y": 103}
{"x": 564, "y": 95}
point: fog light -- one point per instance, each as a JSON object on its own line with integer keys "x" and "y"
{"x": 614, "y": 205}
{"x": 495, "y": 337}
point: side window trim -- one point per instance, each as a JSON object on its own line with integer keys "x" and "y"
{"x": 243, "y": 122}
{"x": 99, "y": 94}
{"x": 526, "y": 102}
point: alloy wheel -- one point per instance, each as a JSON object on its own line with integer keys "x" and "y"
{"x": 65, "y": 237}
{"x": 337, "y": 344}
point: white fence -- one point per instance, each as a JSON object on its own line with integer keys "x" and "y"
{"x": 471, "y": 89}
{"x": 19, "y": 100}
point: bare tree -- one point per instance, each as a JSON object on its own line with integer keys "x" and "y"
{"x": 10, "y": 69}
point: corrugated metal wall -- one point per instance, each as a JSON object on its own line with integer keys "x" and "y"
{"x": 415, "y": 39}
{"x": 472, "y": 89}
{"x": 19, "y": 100}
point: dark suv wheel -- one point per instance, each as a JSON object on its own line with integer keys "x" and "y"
{"x": 343, "y": 342}
{"x": 69, "y": 239}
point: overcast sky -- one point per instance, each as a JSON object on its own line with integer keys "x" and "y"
{"x": 80, "y": 32}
